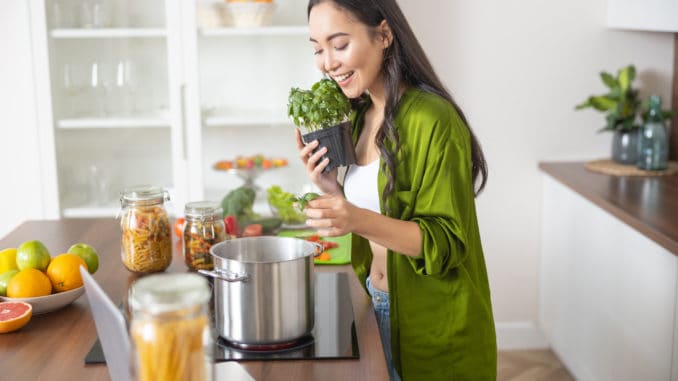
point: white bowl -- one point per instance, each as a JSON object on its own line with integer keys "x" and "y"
{"x": 49, "y": 303}
{"x": 249, "y": 14}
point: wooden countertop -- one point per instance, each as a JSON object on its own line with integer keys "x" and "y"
{"x": 53, "y": 346}
{"x": 648, "y": 204}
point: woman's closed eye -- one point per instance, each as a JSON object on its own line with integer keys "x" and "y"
{"x": 342, "y": 47}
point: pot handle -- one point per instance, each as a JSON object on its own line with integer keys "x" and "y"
{"x": 226, "y": 276}
{"x": 318, "y": 249}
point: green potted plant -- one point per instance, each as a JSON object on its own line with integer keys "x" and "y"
{"x": 324, "y": 111}
{"x": 621, "y": 105}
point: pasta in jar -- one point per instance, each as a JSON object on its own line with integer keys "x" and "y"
{"x": 146, "y": 232}
{"x": 204, "y": 228}
{"x": 170, "y": 329}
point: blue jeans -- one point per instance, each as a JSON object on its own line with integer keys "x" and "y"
{"x": 381, "y": 310}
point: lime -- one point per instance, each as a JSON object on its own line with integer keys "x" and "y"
{"x": 4, "y": 280}
{"x": 8, "y": 260}
{"x": 32, "y": 255}
{"x": 88, "y": 254}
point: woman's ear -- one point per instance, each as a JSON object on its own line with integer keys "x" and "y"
{"x": 386, "y": 34}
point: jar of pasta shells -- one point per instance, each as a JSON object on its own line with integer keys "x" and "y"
{"x": 146, "y": 233}
{"x": 170, "y": 330}
{"x": 204, "y": 227}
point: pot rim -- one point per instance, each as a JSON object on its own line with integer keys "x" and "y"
{"x": 312, "y": 249}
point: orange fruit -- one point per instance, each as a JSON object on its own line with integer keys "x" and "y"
{"x": 64, "y": 272}
{"x": 14, "y": 315}
{"x": 29, "y": 283}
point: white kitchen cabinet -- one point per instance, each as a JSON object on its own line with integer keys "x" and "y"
{"x": 607, "y": 292}
{"x": 155, "y": 96}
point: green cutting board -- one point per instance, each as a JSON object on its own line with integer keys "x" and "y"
{"x": 338, "y": 256}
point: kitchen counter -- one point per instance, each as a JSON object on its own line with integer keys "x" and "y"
{"x": 648, "y": 204}
{"x": 53, "y": 346}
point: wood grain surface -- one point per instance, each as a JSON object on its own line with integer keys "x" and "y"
{"x": 53, "y": 346}
{"x": 648, "y": 204}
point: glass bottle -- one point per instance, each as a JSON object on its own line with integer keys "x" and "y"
{"x": 170, "y": 330}
{"x": 653, "y": 145}
{"x": 146, "y": 233}
{"x": 204, "y": 227}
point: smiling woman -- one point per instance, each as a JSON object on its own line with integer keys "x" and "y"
{"x": 415, "y": 240}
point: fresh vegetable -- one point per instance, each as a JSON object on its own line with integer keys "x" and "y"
{"x": 268, "y": 224}
{"x": 324, "y": 256}
{"x": 232, "y": 227}
{"x": 252, "y": 230}
{"x": 303, "y": 200}
{"x": 238, "y": 203}
{"x": 179, "y": 227}
{"x": 323, "y": 106}
{"x": 283, "y": 204}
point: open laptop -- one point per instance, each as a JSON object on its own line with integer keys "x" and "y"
{"x": 111, "y": 329}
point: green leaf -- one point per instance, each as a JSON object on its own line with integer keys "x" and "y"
{"x": 608, "y": 79}
{"x": 626, "y": 77}
{"x": 602, "y": 103}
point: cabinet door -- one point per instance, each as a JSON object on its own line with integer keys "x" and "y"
{"x": 242, "y": 64}
{"x": 113, "y": 100}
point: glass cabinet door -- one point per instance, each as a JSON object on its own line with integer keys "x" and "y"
{"x": 115, "y": 100}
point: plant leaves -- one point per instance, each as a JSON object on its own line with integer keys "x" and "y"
{"x": 608, "y": 79}
{"x": 602, "y": 103}
{"x": 626, "y": 76}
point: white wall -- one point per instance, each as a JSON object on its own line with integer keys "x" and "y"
{"x": 517, "y": 69}
{"x": 20, "y": 182}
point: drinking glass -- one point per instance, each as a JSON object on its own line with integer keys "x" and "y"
{"x": 95, "y": 14}
{"x": 63, "y": 14}
{"x": 74, "y": 83}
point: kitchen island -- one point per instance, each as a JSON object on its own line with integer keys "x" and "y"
{"x": 54, "y": 345}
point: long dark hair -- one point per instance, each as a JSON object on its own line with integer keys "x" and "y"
{"x": 404, "y": 62}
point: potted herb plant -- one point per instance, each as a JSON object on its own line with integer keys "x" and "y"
{"x": 621, "y": 105}
{"x": 323, "y": 112}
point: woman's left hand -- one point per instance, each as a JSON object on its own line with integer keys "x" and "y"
{"x": 331, "y": 215}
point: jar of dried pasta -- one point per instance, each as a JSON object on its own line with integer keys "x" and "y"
{"x": 146, "y": 233}
{"x": 204, "y": 227}
{"x": 170, "y": 331}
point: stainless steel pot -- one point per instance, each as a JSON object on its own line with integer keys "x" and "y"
{"x": 263, "y": 289}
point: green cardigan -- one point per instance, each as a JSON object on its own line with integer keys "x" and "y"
{"x": 441, "y": 316}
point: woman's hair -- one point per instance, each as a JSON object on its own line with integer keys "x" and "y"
{"x": 404, "y": 62}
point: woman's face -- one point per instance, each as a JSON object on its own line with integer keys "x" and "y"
{"x": 345, "y": 49}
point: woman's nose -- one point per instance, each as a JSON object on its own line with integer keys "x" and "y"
{"x": 331, "y": 62}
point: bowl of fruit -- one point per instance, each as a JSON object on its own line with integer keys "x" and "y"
{"x": 29, "y": 274}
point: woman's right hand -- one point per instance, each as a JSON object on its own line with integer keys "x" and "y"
{"x": 326, "y": 182}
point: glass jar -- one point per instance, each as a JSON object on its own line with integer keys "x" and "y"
{"x": 170, "y": 331}
{"x": 204, "y": 227}
{"x": 146, "y": 233}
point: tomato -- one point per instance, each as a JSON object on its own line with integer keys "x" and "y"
{"x": 231, "y": 225}
{"x": 179, "y": 227}
{"x": 253, "y": 230}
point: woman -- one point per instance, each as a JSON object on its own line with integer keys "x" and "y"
{"x": 409, "y": 201}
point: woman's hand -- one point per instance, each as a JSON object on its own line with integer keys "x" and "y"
{"x": 326, "y": 182}
{"x": 331, "y": 215}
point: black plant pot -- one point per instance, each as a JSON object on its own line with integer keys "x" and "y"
{"x": 339, "y": 144}
{"x": 625, "y": 146}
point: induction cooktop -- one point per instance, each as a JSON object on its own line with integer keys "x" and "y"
{"x": 333, "y": 336}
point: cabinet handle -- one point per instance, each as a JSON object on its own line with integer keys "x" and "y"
{"x": 182, "y": 108}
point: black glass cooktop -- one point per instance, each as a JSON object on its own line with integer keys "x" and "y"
{"x": 333, "y": 336}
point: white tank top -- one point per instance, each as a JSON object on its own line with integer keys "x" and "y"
{"x": 360, "y": 186}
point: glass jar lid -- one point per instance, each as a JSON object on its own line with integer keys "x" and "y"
{"x": 160, "y": 293}
{"x": 203, "y": 209}
{"x": 144, "y": 193}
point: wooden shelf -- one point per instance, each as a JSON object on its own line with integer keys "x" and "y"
{"x": 108, "y": 33}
